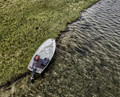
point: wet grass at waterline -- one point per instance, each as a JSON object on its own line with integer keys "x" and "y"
{"x": 25, "y": 24}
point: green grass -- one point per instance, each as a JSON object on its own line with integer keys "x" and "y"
{"x": 25, "y": 24}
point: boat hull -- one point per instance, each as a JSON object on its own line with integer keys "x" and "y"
{"x": 46, "y": 50}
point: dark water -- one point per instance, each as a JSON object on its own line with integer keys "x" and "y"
{"x": 87, "y": 60}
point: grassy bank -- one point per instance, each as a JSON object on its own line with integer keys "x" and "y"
{"x": 25, "y": 24}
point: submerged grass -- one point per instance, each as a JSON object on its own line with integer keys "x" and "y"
{"x": 25, "y": 24}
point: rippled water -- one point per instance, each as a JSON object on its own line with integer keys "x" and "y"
{"x": 87, "y": 60}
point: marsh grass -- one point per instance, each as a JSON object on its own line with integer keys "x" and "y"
{"x": 25, "y": 24}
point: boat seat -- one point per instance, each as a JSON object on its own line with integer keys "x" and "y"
{"x": 45, "y": 61}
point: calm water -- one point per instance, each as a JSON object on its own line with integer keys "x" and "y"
{"x": 87, "y": 59}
